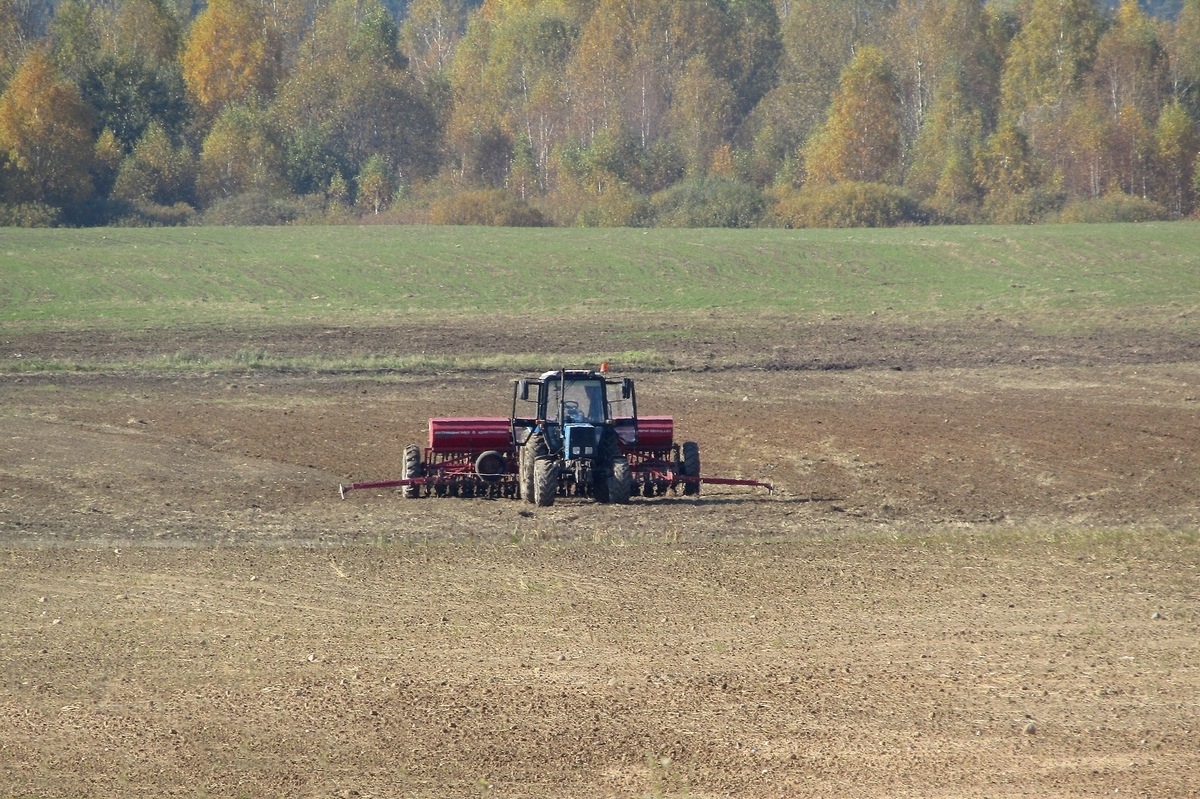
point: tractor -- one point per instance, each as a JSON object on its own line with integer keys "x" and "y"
{"x": 571, "y": 433}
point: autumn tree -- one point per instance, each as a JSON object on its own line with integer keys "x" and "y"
{"x": 701, "y": 114}
{"x": 1183, "y": 47}
{"x": 1130, "y": 68}
{"x": 374, "y": 183}
{"x": 18, "y": 26}
{"x": 943, "y": 163}
{"x": 431, "y": 31}
{"x": 45, "y": 136}
{"x": 157, "y": 171}
{"x": 631, "y": 55}
{"x": 351, "y": 96}
{"x": 509, "y": 84}
{"x": 1050, "y": 54}
{"x": 1003, "y": 165}
{"x": 231, "y": 55}
{"x": 1176, "y": 146}
{"x": 861, "y": 137}
{"x": 239, "y": 155}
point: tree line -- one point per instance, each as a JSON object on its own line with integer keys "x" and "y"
{"x": 597, "y": 112}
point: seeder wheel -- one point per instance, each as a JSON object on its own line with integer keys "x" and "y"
{"x": 413, "y": 467}
{"x": 691, "y": 467}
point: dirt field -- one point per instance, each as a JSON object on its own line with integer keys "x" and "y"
{"x": 979, "y": 576}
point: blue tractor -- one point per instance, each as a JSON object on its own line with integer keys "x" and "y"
{"x": 569, "y": 427}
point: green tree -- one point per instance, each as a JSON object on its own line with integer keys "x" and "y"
{"x": 239, "y": 156}
{"x": 1050, "y": 54}
{"x": 1131, "y": 151}
{"x": 1003, "y": 166}
{"x": 943, "y": 164}
{"x": 351, "y": 95}
{"x": 144, "y": 30}
{"x": 861, "y": 138}
{"x": 375, "y": 185}
{"x": 106, "y": 160}
{"x": 75, "y": 37}
{"x": 701, "y": 114}
{"x": 1176, "y": 146}
{"x": 45, "y": 136}
{"x": 128, "y": 93}
{"x": 750, "y": 52}
{"x": 820, "y": 37}
{"x": 933, "y": 43}
{"x": 157, "y": 171}
{"x": 509, "y": 84}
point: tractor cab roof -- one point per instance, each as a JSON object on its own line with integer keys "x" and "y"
{"x": 572, "y": 374}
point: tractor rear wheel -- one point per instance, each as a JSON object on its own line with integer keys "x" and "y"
{"x": 413, "y": 467}
{"x": 691, "y": 467}
{"x": 619, "y": 481}
{"x": 545, "y": 482}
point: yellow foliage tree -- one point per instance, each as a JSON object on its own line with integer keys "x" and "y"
{"x": 45, "y": 136}
{"x": 231, "y": 55}
{"x": 861, "y": 137}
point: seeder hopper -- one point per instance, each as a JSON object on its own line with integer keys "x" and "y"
{"x": 572, "y": 432}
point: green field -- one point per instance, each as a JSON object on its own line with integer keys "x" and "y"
{"x": 1057, "y": 275}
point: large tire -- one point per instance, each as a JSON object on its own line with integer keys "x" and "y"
{"x": 534, "y": 448}
{"x": 545, "y": 482}
{"x": 619, "y": 481}
{"x": 413, "y": 467}
{"x": 607, "y": 451}
{"x": 691, "y": 468}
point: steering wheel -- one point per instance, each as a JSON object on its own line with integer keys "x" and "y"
{"x": 572, "y": 412}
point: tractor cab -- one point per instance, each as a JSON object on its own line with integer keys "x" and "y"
{"x": 570, "y": 426}
{"x": 572, "y": 408}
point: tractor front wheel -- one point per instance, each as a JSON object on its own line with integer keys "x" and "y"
{"x": 619, "y": 481}
{"x": 545, "y": 482}
{"x": 608, "y": 451}
{"x": 691, "y": 468}
{"x": 413, "y": 467}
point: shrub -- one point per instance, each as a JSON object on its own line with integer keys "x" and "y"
{"x": 849, "y": 204}
{"x": 492, "y": 207}
{"x": 1026, "y": 208}
{"x": 29, "y": 215}
{"x": 618, "y": 206}
{"x": 148, "y": 214}
{"x": 253, "y": 208}
{"x": 710, "y": 202}
{"x": 1114, "y": 207}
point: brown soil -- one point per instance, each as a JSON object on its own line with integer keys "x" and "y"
{"x": 979, "y": 575}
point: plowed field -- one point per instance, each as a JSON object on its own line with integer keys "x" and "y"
{"x": 979, "y": 576}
